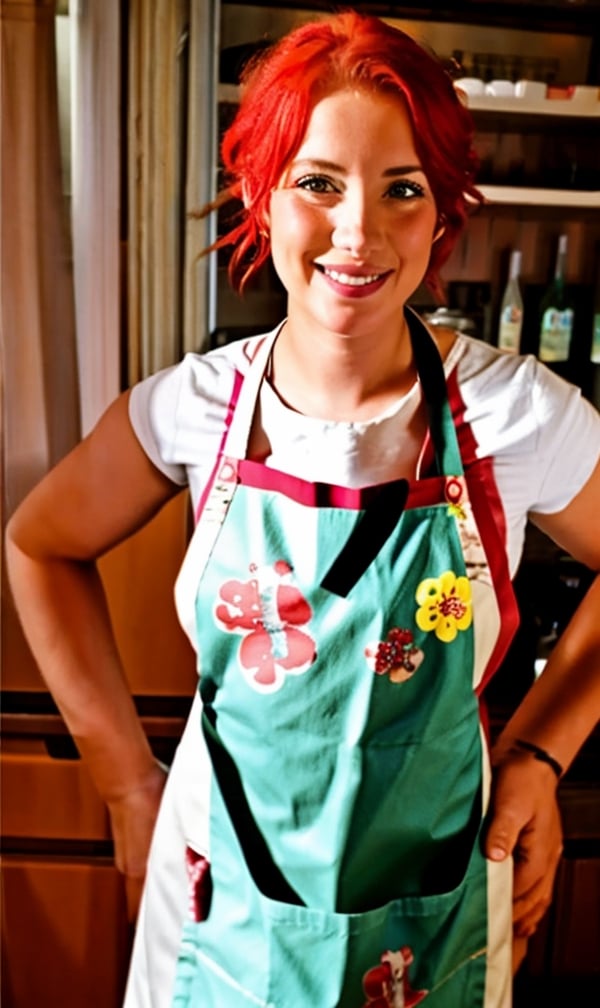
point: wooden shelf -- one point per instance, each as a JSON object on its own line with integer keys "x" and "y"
{"x": 568, "y": 108}
{"x": 526, "y": 196}
{"x": 557, "y": 107}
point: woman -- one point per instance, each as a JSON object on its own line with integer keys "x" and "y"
{"x": 331, "y": 833}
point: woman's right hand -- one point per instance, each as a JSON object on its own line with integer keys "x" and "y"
{"x": 133, "y": 816}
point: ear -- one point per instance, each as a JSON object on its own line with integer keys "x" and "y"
{"x": 264, "y": 220}
{"x": 440, "y": 229}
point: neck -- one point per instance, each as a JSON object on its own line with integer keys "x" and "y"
{"x": 336, "y": 376}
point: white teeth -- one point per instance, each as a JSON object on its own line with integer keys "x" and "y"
{"x": 351, "y": 281}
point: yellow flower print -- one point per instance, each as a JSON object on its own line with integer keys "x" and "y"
{"x": 445, "y": 605}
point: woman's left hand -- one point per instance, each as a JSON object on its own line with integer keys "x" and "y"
{"x": 524, "y": 821}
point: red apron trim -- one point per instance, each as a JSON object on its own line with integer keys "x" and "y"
{"x": 238, "y": 379}
{"x": 490, "y": 519}
{"x": 325, "y": 495}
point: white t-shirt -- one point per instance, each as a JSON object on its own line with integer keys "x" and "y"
{"x": 543, "y": 436}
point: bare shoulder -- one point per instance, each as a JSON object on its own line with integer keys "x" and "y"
{"x": 444, "y": 338}
{"x": 100, "y": 493}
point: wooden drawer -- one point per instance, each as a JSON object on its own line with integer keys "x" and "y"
{"x": 65, "y": 940}
{"x": 139, "y": 577}
{"x": 48, "y": 798}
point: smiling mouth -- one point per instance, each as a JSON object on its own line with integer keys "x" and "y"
{"x": 350, "y": 279}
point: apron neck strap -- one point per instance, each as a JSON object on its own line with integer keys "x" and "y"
{"x": 430, "y": 370}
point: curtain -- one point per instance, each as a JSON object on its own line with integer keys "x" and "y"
{"x": 96, "y": 213}
{"x": 171, "y": 168}
{"x": 40, "y": 416}
{"x": 40, "y": 400}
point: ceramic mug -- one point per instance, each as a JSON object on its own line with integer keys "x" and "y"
{"x": 470, "y": 85}
{"x": 500, "y": 89}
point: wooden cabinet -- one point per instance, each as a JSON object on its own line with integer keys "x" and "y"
{"x": 563, "y": 960}
{"x": 139, "y": 578}
{"x": 65, "y": 938}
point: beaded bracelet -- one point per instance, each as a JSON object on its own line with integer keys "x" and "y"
{"x": 541, "y": 755}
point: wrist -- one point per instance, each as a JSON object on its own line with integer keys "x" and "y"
{"x": 540, "y": 754}
{"x": 520, "y": 748}
{"x": 149, "y": 782}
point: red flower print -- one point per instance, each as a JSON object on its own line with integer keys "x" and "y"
{"x": 396, "y": 656}
{"x": 270, "y": 608}
{"x": 387, "y": 985}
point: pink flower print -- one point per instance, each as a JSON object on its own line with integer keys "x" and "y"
{"x": 241, "y": 609}
{"x": 267, "y": 610}
{"x": 396, "y": 656}
{"x": 387, "y": 985}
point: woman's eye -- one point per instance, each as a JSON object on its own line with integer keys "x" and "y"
{"x": 316, "y": 184}
{"x": 403, "y": 189}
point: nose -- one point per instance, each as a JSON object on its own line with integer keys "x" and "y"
{"x": 356, "y": 225}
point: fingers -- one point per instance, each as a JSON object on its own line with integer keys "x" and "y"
{"x": 503, "y": 833}
{"x": 519, "y": 951}
{"x": 536, "y": 863}
{"x": 525, "y": 822}
{"x": 133, "y": 818}
{"x": 537, "y": 855}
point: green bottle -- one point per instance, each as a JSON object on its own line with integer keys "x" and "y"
{"x": 595, "y": 351}
{"x": 556, "y": 313}
{"x": 595, "y": 354}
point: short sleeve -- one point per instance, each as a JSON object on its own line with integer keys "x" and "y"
{"x": 179, "y": 414}
{"x": 153, "y": 412}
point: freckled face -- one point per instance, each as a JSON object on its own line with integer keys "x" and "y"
{"x": 353, "y": 218}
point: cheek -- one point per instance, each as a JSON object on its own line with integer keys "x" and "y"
{"x": 300, "y": 231}
{"x": 417, "y": 235}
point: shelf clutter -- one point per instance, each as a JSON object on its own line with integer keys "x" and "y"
{"x": 533, "y": 96}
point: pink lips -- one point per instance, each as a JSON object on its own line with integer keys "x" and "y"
{"x": 353, "y": 281}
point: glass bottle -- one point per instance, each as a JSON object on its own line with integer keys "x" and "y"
{"x": 595, "y": 350}
{"x": 556, "y": 313}
{"x": 511, "y": 310}
{"x": 595, "y": 354}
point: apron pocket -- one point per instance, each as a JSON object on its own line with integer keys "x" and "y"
{"x": 202, "y": 983}
{"x": 423, "y": 949}
{"x": 253, "y": 950}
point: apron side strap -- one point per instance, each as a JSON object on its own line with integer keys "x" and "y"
{"x": 268, "y": 877}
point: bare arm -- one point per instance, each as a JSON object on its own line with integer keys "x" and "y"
{"x": 103, "y": 491}
{"x": 558, "y": 714}
{"x": 563, "y": 707}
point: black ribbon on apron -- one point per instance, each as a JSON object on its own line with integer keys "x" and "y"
{"x": 374, "y": 526}
{"x": 266, "y": 874}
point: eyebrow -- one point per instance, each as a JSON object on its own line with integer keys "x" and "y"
{"x": 317, "y": 163}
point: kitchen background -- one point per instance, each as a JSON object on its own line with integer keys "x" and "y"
{"x": 110, "y": 120}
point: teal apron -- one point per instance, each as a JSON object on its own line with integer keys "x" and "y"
{"x": 343, "y": 636}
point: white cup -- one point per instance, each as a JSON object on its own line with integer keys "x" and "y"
{"x": 530, "y": 89}
{"x": 500, "y": 89}
{"x": 470, "y": 85}
{"x": 585, "y": 96}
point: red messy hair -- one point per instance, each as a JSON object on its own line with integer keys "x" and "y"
{"x": 279, "y": 90}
